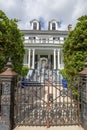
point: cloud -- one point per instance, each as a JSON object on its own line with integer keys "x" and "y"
{"x": 80, "y": 8}
{"x": 66, "y": 11}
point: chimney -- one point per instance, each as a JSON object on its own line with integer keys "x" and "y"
{"x": 69, "y": 27}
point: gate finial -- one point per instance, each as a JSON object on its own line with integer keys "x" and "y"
{"x": 8, "y": 71}
{"x": 9, "y": 64}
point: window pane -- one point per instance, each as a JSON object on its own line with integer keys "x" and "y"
{"x": 53, "y": 26}
{"x": 35, "y": 26}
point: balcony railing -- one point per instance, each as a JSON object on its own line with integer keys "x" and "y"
{"x": 44, "y": 41}
{"x": 61, "y": 66}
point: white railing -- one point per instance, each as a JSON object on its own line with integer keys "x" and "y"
{"x": 44, "y": 41}
{"x": 61, "y": 66}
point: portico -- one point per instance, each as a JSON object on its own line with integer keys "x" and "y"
{"x": 33, "y": 56}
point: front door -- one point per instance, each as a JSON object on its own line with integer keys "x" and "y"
{"x": 43, "y": 61}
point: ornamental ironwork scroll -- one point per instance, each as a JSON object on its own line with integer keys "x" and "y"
{"x": 5, "y": 105}
{"x": 41, "y": 100}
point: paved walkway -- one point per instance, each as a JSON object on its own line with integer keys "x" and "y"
{"x": 51, "y": 128}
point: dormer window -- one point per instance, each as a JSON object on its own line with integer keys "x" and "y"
{"x": 53, "y": 26}
{"x": 35, "y": 26}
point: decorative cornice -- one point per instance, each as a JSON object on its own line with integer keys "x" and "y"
{"x": 43, "y": 45}
{"x": 45, "y": 32}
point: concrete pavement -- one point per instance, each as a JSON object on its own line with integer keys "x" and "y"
{"x": 51, "y": 128}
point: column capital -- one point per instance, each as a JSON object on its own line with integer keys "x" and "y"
{"x": 33, "y": 49}
{"x": 54, "y": 49}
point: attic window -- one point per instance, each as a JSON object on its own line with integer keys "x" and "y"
{"x": 53, "y": 26}
{"x": 35, "y": 26}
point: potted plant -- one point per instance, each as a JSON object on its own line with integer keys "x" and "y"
{"x": 24, "y": 71}
{"x": 64, "y": 79}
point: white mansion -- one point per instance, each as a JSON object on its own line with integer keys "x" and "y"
{"x": 44, "y": 45}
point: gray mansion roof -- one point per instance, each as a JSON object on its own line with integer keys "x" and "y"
{"x": 52, "y": 29}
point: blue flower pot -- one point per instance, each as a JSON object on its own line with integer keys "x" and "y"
{"x": 64, "y": 83}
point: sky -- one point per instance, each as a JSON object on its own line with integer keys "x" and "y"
{"x": 64, "y": 11}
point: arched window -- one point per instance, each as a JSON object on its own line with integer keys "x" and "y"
{"x": 35, "y": 26}
{"x": 53, "y": 26}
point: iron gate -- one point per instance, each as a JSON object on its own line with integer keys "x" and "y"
{"x": 41, "y": 100}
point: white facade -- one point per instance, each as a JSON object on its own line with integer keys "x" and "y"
{"x": 44, "y": 45}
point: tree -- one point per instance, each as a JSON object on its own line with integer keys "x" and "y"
{"x": 75, "y": 48}
{"x": 11, "y": 43}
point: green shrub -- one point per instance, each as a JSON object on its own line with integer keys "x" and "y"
{"x": 24, "y": 71}
{"x": 63, "y": 72}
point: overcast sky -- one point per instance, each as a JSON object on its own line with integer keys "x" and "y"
{"x": 64, "y": 11}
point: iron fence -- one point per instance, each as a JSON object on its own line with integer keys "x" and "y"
{"x": 41, "y": 100}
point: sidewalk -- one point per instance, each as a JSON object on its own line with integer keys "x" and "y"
{"x": 51, "y": 128}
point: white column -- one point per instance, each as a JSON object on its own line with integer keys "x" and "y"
{"x": 54, "y": 58}
{"x": 33, "y": 58}
{"x": 58, "y": 58}
{"x": 38, "y": 61}
{"x": 29, "y": 56}
{"x": 62, "y": 64}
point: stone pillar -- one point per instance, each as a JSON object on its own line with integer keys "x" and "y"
{"x": 58, "y": 58}
{"x": 33, "y": 58}
{"x": 8, "y": 81}
{"x": 54, "y": 58}
{"x": 83, "y": 75}
{"x": 29, "y": 57}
